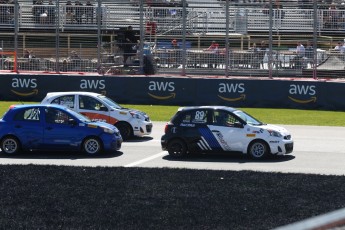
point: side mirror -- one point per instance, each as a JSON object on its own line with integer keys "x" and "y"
{"x": 72, "y": 122}
{"x": 238, "y": 125}
{"x": 103, "y": 108}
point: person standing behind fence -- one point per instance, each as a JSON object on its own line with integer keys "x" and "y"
{"x": 309, "y": 53}
{"x": 214, "y": 50}
{"x": 89, "y": 12}
{"x": 69, "y": 12}
{"x": 130, "y": 44}
{"x": 51, "y": 12}
{"x": 297, "y": 61}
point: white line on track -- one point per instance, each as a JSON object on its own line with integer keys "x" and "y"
{"x": 146, "y": 159}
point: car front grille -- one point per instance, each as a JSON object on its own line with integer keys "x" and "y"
{"x": 148, "y": 128}
{"x": 289, "y": 147}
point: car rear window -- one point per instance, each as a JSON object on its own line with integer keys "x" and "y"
{"x": 30, "y": 114}
{"x": 192, "y": 116}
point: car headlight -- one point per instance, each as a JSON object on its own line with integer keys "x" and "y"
{"x": 137, "y": 116}
{"x": 274, "y": 133}
{"x": 107, "y": 130}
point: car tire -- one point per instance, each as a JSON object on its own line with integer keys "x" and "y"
{"x": 10, "y": 145}
{"x": 92, "y": 146}
{"x": 177, "y": 148}
{"x": 258, "y": 150}
{"x": 125, "y": 130}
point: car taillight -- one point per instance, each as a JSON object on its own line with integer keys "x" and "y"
{"x": 166, "y": 128}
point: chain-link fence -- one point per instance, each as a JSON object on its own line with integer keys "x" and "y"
{"x": 255, "y": 38}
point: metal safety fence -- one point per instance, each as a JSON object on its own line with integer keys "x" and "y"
{"x": 250, "y": 38}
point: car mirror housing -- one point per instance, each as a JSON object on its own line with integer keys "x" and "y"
{"x": 72, "y": 122}
{"x": 103, "y": 108}
{"x": 238, "y": 125}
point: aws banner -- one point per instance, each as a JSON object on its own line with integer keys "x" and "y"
{"x": 182, "y": 91}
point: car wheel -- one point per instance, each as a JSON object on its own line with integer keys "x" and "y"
{"x": 92, "y": 146}
{"x": 125, "y": 130}
{"x": 258, "y": 150}
{"x": 177, "y": 148}
{"x": 10, "y": 145}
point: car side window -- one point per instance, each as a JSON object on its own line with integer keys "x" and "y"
{"x": 55, "y": 116}
{"x": 32, "y": 114}
{"x": 67, "y": 100}
{"x": 223, "y": 118}
{"x": 194, "y": 117}
{"x": 89, "y": 103}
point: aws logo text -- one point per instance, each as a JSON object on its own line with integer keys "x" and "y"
{"x": 161, "y": 90}
{"x": 237, "y": 89}
{"x": 302, "y": 93}
{"x": 24, "y": 86}
{"x": 92, "y": 84}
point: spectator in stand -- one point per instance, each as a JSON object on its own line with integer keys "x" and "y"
{"x": 332, "y": 17}
{"x": 130, "y": 44}
{"x": 297, "y": 60}
{"x": 213, "y": 47}
{"x": 89, "y": 12}
{"x": 309, "y": 54}
{"x": 340, "y": 47}
{"x": 69, "y": 12}
{"x": 27, "y": 54}
{"x": 79, "y": 12}
{"x": 37, "y": 10}
{"x": 174, "y": 44}
{"x": 175, "y": 54}
{"x": 74, "y": 61}
{"x": 214, "y": 50}
{"x": 51, "y": 12}
{"x": 64, "y": 66}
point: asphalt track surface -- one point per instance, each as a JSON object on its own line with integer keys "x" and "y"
{"x": 317, "y": 150}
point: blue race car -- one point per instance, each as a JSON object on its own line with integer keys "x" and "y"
{"x": 54, "y": 127}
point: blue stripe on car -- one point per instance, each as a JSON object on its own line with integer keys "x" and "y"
{"x": 209, "y": 137}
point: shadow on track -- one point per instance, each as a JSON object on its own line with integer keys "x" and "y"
{"x": 54, "y": 155}
{"x": 234, "y": 157}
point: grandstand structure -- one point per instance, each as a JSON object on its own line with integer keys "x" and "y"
{"x": 51, "y": 31}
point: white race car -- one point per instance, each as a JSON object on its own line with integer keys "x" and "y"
{"x": 98, "y": 107}
{"x": 217, "y": 129}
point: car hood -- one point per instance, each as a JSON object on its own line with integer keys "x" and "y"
{"x": 135, "y": 111}
{"x": 102, "y": 124}
{"x": 277, "y": 128}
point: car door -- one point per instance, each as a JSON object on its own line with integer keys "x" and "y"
{"x": 228, "y": 130}
{"x": 59, "y": 132}
{"x": 93, "y": 108}
{"x": 191, "y": 125}
{"x": 28, "y": 127}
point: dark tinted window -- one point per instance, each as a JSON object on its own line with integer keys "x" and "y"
{"x": 67, "y": 101}
{"x": 89, "y": 103}
{"x": 193, "y": 116}
{"x": 55, "y": 116}
{"x": 223, "y": 118}
{"x": 32, "y": 114}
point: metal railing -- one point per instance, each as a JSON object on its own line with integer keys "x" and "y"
{"x": 194, "y": 27}
{"x": 200, "y": 19}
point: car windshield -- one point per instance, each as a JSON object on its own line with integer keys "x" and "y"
{"x": 247, "y": 118}
{"x": 110, "y": 102}
{"x": 79, "y": 116}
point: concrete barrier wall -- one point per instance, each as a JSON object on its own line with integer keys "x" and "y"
{"x": 182, "y": 91}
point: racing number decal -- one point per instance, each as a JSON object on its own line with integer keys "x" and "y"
{"x": 200, "y": 117}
